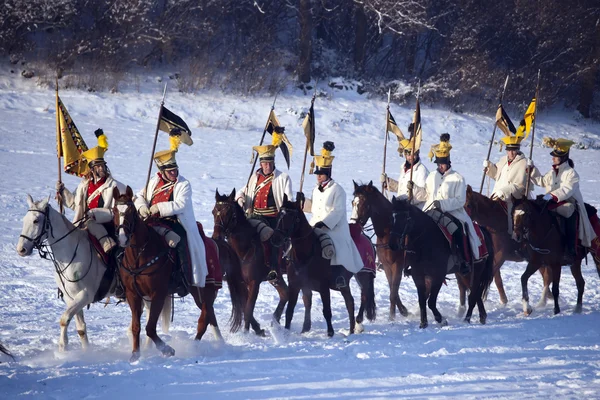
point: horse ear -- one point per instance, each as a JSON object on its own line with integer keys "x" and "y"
{"x": 217, "y": 195}
{"x": 355, "y": 185}
{"x": 469, "y": 189}
{"x": 116, "y": 193}
{"x": 370, "y": 183}
{"x": 232, "y": 195}
{"x": 129, "y": 192}
{"x": 30, "y": 201}
{"x": 44, "y": 202}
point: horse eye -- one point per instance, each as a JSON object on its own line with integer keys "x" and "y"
{"x": 36, "y": 221}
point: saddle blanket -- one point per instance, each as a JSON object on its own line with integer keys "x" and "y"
{"x": 483, "y": 251}
{"x": 364, "y": 246}
{"x": 214, "y": 277}
{"x": 99, "y": 248}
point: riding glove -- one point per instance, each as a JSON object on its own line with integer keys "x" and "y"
{"x": 59, "y": 187}
{"x": 144, "y": 212}
{"x": 383, "y": 178}
{"x": 410, "y": 185}
{"x": 548, "y": 197}
{"x": 486, "y": 163}
{"x": 437, "y": 204}
{"x": 154, "y": 210}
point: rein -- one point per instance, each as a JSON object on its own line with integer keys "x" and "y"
{"x": 526, "y": 233}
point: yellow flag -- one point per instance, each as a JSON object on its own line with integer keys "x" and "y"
{"x": 70, "y": 144}
{"x": 527, "y": 121}
{"x": 393, "y": 127}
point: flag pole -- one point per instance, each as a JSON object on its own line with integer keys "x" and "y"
{"x": 162, "y": 103}
{"x": 262, "y": 138}
{"x": 537, "y": 99}
{"x": 58, "y": 149}
{"x": 414, "y": 137}
{"x": 312, "y": 103}
{"x": 493, "y": 134}
{"x": 385, "y": 140}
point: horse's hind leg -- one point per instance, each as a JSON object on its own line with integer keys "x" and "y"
{"x": 326, "y": 299}
{"x": 135, "y": 305}
{"x": 282, "y": 290}
{"x": 422, "y": 293}
{"x": 82, "y": 329}
{"x": 204, "y": 299}
{"x": 576, "y": 271}
{"x": 435, "y": 290}
{"x": 546, "y": 292}
{"x": 530, "y": 270}
{"x": 307, "y": 299}
{"x": 293, "y": 299}
{"x": 462, "y": 295}
{"x": 556, "y": 271}
{"x": 349, "y": 300}
{"x": 249, "y": 310}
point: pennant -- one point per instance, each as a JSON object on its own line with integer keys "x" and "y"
{"x": 416, "y": 134}
{"x": 504, "y": 123}
{"x": 309, "y": 129}
{"x": 393, "y": 127}
{"x": 70, "y": 144}
{"x": 173, "y": 124}
{"x": 527, "y": 121}
{"x": 285, "y": 146}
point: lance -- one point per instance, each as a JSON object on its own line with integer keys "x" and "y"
{"x": 493, "y": 135}
{"x": 414, "y": 137}
{"x": 59, "y": 149}
{"x": 387, "y": 118}
{"x": 162, "y": 103}
{"x": 312, "y": 128}
{"x": 262, "y": 138}
{"x": 537, "y": 99}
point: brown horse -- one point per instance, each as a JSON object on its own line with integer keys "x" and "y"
{"x": 370, "y": 203}
{"x": 231, "y": 224}
{"x": 538, "y": 228}
{"x": 146, "y": 269}
{"x": 307, "y": 270}
{"x": 430, "y": 257}
{"x": 490, "y": 213}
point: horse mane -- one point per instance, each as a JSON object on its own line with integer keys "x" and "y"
{"x": 369, "y": 190}
{"x": 405, "y": 205}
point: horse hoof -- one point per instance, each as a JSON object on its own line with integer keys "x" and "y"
{"x": 528, "y": 311}
{"x": 423, "y": 325}
{"x": 261, "y": 333}
{"x": 578, "y": 309}
{"x": 403, "y": 311}
{"x": 461, "y": 311}
{"x": 556, "y": 310}
{"x": 134, "y": 356}
{"x": 467, "y": 320}
{"x": 482, "y": 320}
{"x": 330, "y": 333}
{"x": 444, "y": 322}
{"x": 359, "y": 328}
{"x": 167, "y": 351}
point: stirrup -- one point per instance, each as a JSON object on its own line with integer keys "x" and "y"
{"x": 340, "y": 282}
{"x": 272, "y": 275}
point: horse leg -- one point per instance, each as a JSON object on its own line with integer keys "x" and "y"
{"x": 580, "y": 282}
{"x": 80, "y": 300}
{"x": 158, "y": 300}
{"x": 135, "y": 305}
{"x": 422, "y": 293}
{"x": 498, "y": 261}
{"x": 293, "y": 299}
{"x": 556, "y": 271}
{"x": 530, "y": 270}
{"x": 204, "y": 299}
{"x": 282, "y": 290}
{"x": 394, "y": 282}
{"x": 363, "y": 301}
{"x": 249, "y": 310}
{"x": 473, "y": 293}
{"x": 432, "y": 302}
{"x": 326, "y": 300}
{"x": 82, "y": 329}
{"x": 462, "y": 294}
{"x": 307, "y": 299}
{"x": 349, "y": 300}
{"x": 546, "y": 293}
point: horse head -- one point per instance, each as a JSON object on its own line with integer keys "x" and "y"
{"x": 470, "y": 203}
{"x": 35, "y": 226}
{"x": 225, "y": 212}
{"x": 288, "y": 221}
{"x": 362, "y": 204}
{"x": 402, "y": 223}
{"x": 125, "y": 216}
{"x": 521, "y": 216}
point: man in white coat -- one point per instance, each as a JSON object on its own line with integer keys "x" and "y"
{"x": 262, "y": 197}
{"x": 562, "y": 188}
{"x": 94, "y": 195}
{"x": 446, "y": 191}
{"x": 510, "y": 174}
{"x": 403, "y": 185}
{"x": 328, "y": 208}
{"x": 169, "y": 197}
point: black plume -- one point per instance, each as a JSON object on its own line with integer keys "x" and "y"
{"x": 98, "y": 132}
{"x": 329, "y": 146}
{"x": 445, "y": 137}
{"x": 175, "y": 132}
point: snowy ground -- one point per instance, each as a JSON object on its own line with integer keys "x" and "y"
{"x": 512, "y": 356}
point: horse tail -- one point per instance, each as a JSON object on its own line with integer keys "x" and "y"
{"x": 487, "y": 276}
{"x": 232, "y": 269}
{"x": 5, "y": 351}
{"x": 165, "y": 314}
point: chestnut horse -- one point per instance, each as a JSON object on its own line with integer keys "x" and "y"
{"x": 535, "y": 225}
{"x": 307, "y": 270}
{"x": 490, "y": 213}
{"x": 146, "y": 269}
{"x": 231, "y": 224}
{"x": 430, "y": 257}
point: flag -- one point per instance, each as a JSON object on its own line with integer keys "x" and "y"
{"x": 416, "y": 134}
{"x": 309, "y": 129}
{"x": 70, "y": 144}
{"x": 169, "y": 121}
{"x": 392, "y": 126}
{"x": 525, "y": 126}
{"x": 286, "y": 147}
{"x": 504, "y": 123}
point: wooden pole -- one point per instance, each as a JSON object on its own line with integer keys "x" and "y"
{"x": 58, "y": 149}
{"x": 162, "y": 103}
{"x": 414, "y": 137}
{"x": 312, "y": 104}
{"x": 537, "y": 102}
{"x": 385, "y": 140}
{"x": 493, "y": 135}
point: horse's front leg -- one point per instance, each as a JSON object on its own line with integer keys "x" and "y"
{"x": 204, "y": 299}
{"x": 546, "y": 273}
{"x": 293, "y": 299}
{"x": 349, "y": 300}
{"x": 135, "y": 305}
{"x": 282, "y": 290}
{"x": 556, "y": 270}
{"x": 307, "y": 299}
{"x": 326, "y": 299}
{"x": 158, "y": 300}
{"x": 76, "y": 305}
{"x": 530, "y": 270}
{"x": 576, "y": 271}
{"x": 253, "y": 288}
{"x": 462, "y": 294}
{"x": 422, "y": 293}
{"x": 82, "y": 329}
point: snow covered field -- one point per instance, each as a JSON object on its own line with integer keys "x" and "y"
{"x": 513, "y": 356}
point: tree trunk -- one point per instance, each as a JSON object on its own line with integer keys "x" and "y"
{"x": 589, "y": 77}
{"x": 305, "y": 19}
{"x": 360, "y": 39}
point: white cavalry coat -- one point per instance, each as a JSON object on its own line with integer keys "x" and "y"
{"x": 419, "y": 178}
{"x": 181, "y": 206}
{"x": 329, "y": 207}
{"x": 511, "y": 179}
{"x": 451, "y": 191}
{"x": 78, "y": 201}
{"x": 564, "y": 185}
{"x": 282, "y": 184}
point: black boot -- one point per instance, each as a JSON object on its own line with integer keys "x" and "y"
{"x": 119, "y": 289}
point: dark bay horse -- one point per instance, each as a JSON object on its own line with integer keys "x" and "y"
{"x": 146, "y": 269}
{"x": 430, "y": 257}
{"x": 231, "y": 224}
{"x": 370, "y": 203}
{"x": 308, "y": 271}
{"x": 538, "y": 228}
{"x": 490, "y": 214}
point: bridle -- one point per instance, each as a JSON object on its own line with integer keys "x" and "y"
{"x": 127, "y": 226}
{"x": 361, "y": 218}
{"x": 287, "y": 233}
{"x": 39, "y": 239}
{"x": 227, "y": 208}
{"x": 525, "y": 231}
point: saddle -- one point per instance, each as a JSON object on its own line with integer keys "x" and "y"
{"x": 110, "y": 261}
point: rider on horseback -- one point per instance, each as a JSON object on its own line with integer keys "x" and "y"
{"x": 510, "y": 174}
{"x": 170, "y": 201}
{"x": 562, "y": 190}
{"x": 262, "y": 197}
{"x": 419, "y": 171}
{"x": 328, "y": 207}
{"x": 445, "y": 191}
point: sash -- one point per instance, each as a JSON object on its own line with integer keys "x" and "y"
{"x": 264, "y": 183}
{"x": 97, "y": 192}
{"x": 158, "y": 190}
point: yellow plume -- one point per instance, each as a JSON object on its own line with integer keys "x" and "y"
{"x": 103, "y": 141}
{"x": 277, "y": 139}
{"x": 174, "y": 141}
